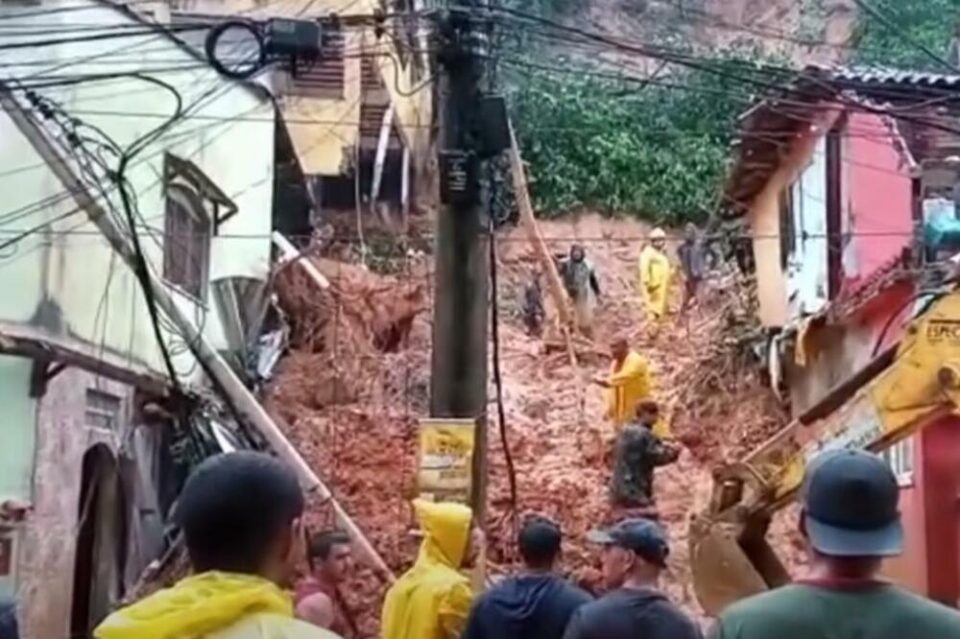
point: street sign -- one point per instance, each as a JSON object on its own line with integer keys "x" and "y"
{"x": 445, "y": 459}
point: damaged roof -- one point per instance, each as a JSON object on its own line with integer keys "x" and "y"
{"x": 769, "y": 126}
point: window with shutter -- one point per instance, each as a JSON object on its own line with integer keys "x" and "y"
{"x": 323, "y": 78}
{"x": 187, "y": 234}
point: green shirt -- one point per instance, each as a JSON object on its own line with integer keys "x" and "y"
{"x": 874, "y": 611}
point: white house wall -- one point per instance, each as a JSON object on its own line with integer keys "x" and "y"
{"x": 64, "y": 277}
{"x": 807, "y": 282}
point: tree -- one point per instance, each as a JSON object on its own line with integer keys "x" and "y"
{"x": 656, "y": 151}
{"x": 914, "y": 24}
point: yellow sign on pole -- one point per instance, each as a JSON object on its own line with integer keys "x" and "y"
{"x": 445, "y": 469}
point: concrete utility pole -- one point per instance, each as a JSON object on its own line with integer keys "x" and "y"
{"x": 458, "y": 380}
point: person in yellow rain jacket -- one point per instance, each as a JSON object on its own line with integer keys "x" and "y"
{"x": 629, "y": 383}
{"x": 240, "y": 515}
{"x": 655, "y": 276}
{"x": 433, "y": 598}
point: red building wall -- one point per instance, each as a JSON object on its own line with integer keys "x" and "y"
{"x": 877, "y": 193}
{"x": 930, "y": 564}
{"x": 910, "y": 569}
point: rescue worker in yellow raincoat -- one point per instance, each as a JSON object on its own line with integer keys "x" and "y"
{"x": 655, "y": 272}
{"x": 240, "y": 514}
{"x": 433, "y": 598}
{"x": 629, "y": 383}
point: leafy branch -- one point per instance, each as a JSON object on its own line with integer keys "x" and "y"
{"x": 655, "y": 152}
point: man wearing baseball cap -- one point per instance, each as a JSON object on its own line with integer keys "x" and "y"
{"x": 634, "y": 554}
{"x": 851, "y": 522}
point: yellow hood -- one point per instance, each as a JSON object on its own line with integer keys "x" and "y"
{"x": 432, "y": 599}
{"x": 196, "y": 606}
{"x": 446, "y": 530}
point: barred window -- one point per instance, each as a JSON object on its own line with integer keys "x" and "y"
{"x": 186, "y": 241}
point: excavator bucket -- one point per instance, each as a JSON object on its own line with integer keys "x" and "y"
{"x": 730, "y": 561}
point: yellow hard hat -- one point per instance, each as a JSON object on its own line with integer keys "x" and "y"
{"x": 658, "y": 234}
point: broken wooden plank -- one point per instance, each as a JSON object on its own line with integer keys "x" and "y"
{"x": 529, "y": 222}
{"x": 289, "y": 253}
{"x": 554, "y": 284}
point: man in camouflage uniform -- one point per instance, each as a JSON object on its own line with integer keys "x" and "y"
{"x": 638, "y": 453}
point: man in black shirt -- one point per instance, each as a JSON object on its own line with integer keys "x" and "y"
{"x": 537, "y": 603}
{"x": 634, "y": 554}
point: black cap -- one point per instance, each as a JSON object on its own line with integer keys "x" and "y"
{"x": 642, "y": 536}
{"x": 850, "y": 503}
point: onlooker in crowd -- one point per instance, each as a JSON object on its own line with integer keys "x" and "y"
{"x": 629, "y": 382}
{"x": 537, "y": 602}
{"x": 692, "y": 255}
{"x": 432, "y": 599}
{"x": 318, "y": 598}
{"x": 851, "y": 522}
{"x": 240, "y": 514}
{"x": 635, "y": 553}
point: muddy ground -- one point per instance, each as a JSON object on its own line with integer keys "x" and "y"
{"x": 352, "y": 408}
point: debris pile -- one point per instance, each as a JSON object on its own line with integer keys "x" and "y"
{"x": 357, "y": 380}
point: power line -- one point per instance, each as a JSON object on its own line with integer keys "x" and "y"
{"x": 693, "y": 63}
{"x": 92, "y": 38}
{"x": 67, "y": 193}
{"x": 763, "y": 30}
{"x": 426, "y": 237}
{"x": 13, "y": 15}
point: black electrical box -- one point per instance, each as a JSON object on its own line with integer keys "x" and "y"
{"x": 493, "y": 126}
{"x": 293, "y": 38}
{"x": 458, "y": 178}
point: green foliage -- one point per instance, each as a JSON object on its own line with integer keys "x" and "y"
{"x": 656, "y": 151}
{"x": 927, "y": 23}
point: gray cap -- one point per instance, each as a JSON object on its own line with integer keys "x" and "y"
{"x": 850, "y": 503}
{"x": 642, "y": 536}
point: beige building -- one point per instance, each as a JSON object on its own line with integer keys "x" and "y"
{"x": 360, "y": 118}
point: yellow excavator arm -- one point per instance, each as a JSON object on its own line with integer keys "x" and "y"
{"x": 904, "y": 389}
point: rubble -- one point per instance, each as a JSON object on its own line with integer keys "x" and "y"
{"x": 357, "y": 380}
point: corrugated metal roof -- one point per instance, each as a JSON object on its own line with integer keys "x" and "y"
{"x": 875, "y": 75}
{"x": 769, "y": 125}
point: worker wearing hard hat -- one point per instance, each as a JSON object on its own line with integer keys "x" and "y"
{"x": 433, "y": 598}
{"x": 655, "y": 277}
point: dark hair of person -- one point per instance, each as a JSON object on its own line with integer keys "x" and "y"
{"x": 539, "y": 542}
{"x": 648, "y": 407}
{"x": 323, "y": 542}
{"x": 232, "y": 507}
